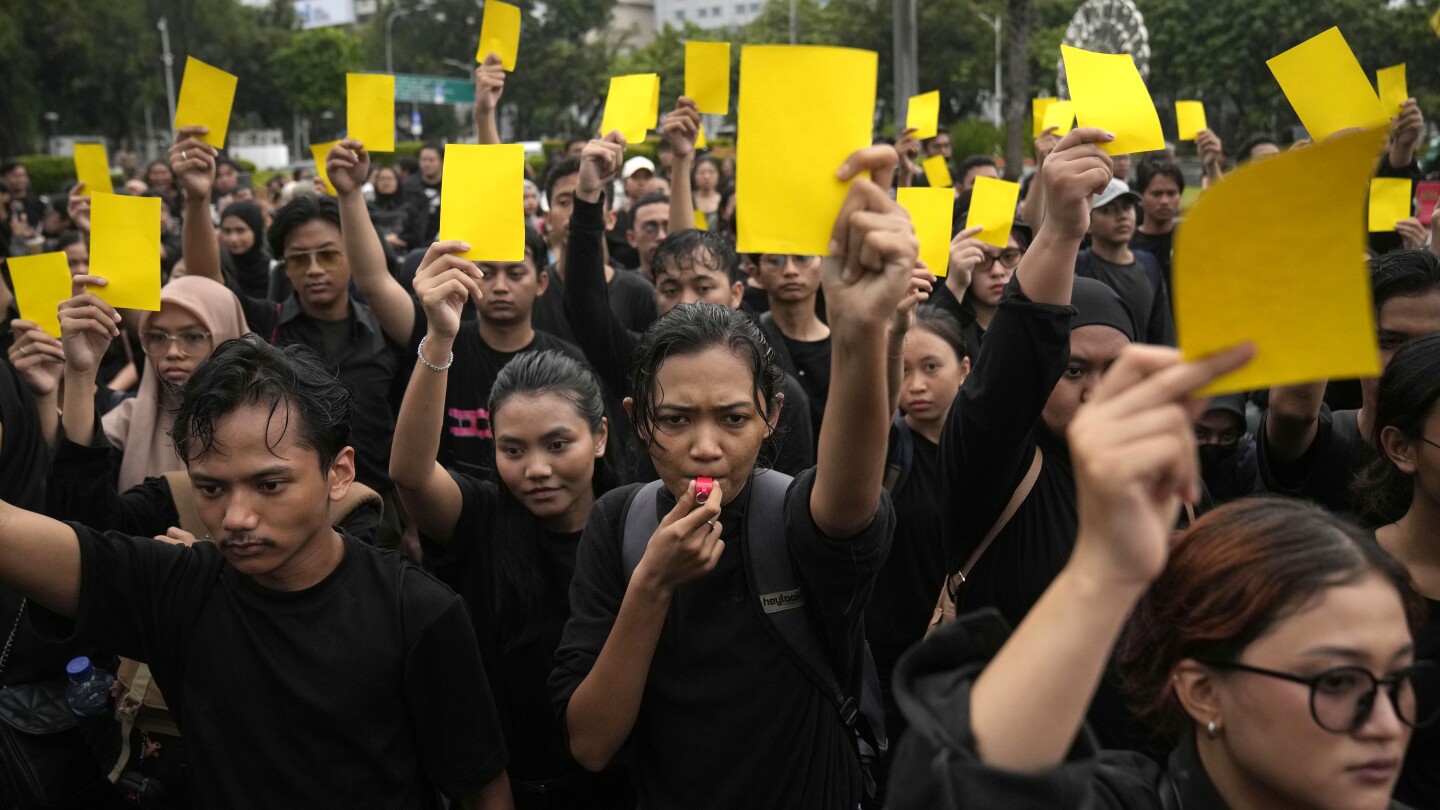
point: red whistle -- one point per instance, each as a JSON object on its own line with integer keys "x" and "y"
{"x": 703, "y": 486}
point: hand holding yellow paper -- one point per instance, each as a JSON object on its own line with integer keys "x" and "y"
{"x": 992, "y": 205}
{"x": 320, "y": 151}
{"x": 632, "y": 106}
{"x": 1189, "y": 119}
{"x": 937, "y": 171}
{"x": 1390, "y": 82}
{"x": 499, "y": 33}
{"x": 707, "y": 76}
{"x": 1108, "y": 93}
{"x": 92, "y": 167}
{"x": 482, "y": 200}
{"x": 125, "y": 250}
{"x": 923, "y": 115}
{"x": 1238, "y": 277}
{"x": 1038, "y": 106}
{"x": 803, "y": 111}
{"x": 1061, "y": 115}
{"x": 1326, "y": 86}
{"x": 370, "y": 110}
{"x": 932, "y": 211}
{"x": 1390, "y": 199}
{"x": 206, "y": 94}
{"x": 41, "y": 283}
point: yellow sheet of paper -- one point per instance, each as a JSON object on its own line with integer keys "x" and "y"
{"x": 1389, "y": 202}
{"x": 632, "y": 105}
{"x": 370, "y": 110}
{"x": 1238, "y": 278}
{"x": 701, "y": 141}
{"x": 41, "y": 283}
{"x": 923, "y": 114}
{"x": 1390, "y": 83}
{"x": 931, "y": 213}
{"x": 1060, "y": 114}
{"x": 701, "y": 223}
{"x": 1435, "y": 22}
{"x": 937, "y": 171}
{"x": 482, "y": 200}
{"x": 206, "y": 94}
{"x": 1326, "y": 86}
{"x": 92, "y": 167}
{"x": 319, "y": 151}
{"x": 992, "y": 204}
{"x": 1038, "y": 106}
{"x": 803, "y": 111}
{"x": 499, "y": 33}
{"x": 1108, "y": 93}
{"x": 707, "y": 76}
{"x": 125, "y": 249}
{"x": 1189, "y": 119}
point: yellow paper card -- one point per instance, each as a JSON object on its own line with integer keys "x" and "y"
{"x": 701, "y": 223}
{"x": 1389, "y": 202}
{"x": 320, "y": 151}
{"x": 701, "y": 141}
{"x": 482, "y": 200}
{"x": 931, "y": 213}
{"x": 206, "y": 94}
{"x": 1038, "y": 106}
{"x": 1108, "y": 93}
{"x": 937, "y": 171}
{"x": 41, "y": 283}
{"x": 707, "y": 76}
{"x": 923, "y": 114}
{"x": 92, "y": 167}
{"x": 370, "y": 110}
{"x": 1326, "y": 86}
{"x": 1238, "y": 278}
{"x": 1435, "y": 22}
{"x": 499, "y": 33}
{"x": 992, "y": 205}
{"x": 1390, "y": 82}
{"x": 1189, "y": 119}
{"x": 632, "y": 106}
{"x": 125, "y": 249}
{"x": 1060, "y": 114}
{"x": 803, "y": 111}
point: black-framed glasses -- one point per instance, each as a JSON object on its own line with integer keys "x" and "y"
{"x": 1341, "y": 699}
{"x": 156, "y": 343}
{"x": 1009, "y": 258}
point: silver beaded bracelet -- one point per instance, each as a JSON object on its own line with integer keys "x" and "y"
{"x": 420, "y": 352}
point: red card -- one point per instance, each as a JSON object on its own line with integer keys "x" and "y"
{"x": 1426, "y": 194}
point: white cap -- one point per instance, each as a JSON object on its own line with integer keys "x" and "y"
{"x": 1118, "y": 188}
{"x": 635, "y": 164}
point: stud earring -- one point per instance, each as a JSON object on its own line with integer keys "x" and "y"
{"x": 1212, "y": 729}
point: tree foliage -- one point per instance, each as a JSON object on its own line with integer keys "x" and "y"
{"x": 310, "y": 69}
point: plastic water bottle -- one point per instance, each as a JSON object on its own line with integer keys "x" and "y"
{"x": 88, "y": 692}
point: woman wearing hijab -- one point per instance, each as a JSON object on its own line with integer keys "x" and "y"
{"x": 395, "y": 222}
{"x": 196, "y": 315}
{"x": 242, "y": 233}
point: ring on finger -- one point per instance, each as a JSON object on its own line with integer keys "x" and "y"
{"x": 24, "y": 349}
{"x": 184, "y": 156}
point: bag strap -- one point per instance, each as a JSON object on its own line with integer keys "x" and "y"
{"x": 126, "y": 711}
{"x": 902, "y": 455}
{"x": 1016, "y": 499}
{"x": 640, "y": 522}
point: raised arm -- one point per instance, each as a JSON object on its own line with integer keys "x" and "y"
{"x": 1212, "y": 155}
{"x": 40, "y": 558}
{"x": 489, "y": 87}
{"x": 874, "y": 251}
{"x": 1032, "y": 208}
{"x": 681, "y": 128}
{"x": 908, "y": 148}
{"x": 921, "y": 282}
{"x": 1135, "y": 462}
{"x": 1406, "y": 130}
{"x": 87, "y": 325}
{"x": 432, "y": 498}
{"x": 193, "y": 163}
{"x": 40, "y": 361}
{"x": 348, "y": 165}
{"x": 1074, "y": 171}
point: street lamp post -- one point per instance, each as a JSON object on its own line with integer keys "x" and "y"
{"x": 999, "y": 97}
{"x": 169, "y": 60}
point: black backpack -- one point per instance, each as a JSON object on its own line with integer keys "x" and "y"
{"x": 777, "y": 592}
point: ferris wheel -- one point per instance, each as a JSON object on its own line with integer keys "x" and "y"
{"x": 1107, "y": 26}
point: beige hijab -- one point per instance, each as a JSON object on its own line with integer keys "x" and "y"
{"x": 140, "y": 426}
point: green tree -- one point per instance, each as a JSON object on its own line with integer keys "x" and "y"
{"x": 310, "y": 69}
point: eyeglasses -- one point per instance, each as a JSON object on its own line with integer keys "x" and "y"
{"x": 777, "y": 261}
{"x": 157, "y": 343}
{"x": 327, "y": 258}
{"x": 1008, "y": 258}
{"x": 1342, "y": 699}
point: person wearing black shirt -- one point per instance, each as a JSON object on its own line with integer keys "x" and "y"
{"x": 800, "y": 339}
{"x": 290, "y": 691}
{"x": 978, "y": 276}
{"x": 1308, "y": 451}
{"x": 1160, "y": 184}
{"x": 422, "y": 191}
{"x": 26, "y": 205}
{"x": 1135, "y": 275}
{"x": 509, "y": 548}
{"x": 672, "y": 661}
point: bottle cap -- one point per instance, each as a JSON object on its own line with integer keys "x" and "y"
{"x": 79, "y": 669}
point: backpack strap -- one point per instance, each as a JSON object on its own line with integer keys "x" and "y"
{"x": 902, "y": 455}
{"x": 638, "y": 524}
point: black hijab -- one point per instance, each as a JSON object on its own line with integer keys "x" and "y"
{"x": 251, "y": 268}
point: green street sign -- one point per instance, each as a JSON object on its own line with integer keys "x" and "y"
{"x": 433, "y": 89}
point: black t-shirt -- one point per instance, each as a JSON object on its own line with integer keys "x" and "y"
{"x": 812, "y": 369}
{"x": 364, "y": 690}
{"x": 1144, "y": 293}
{"x": 727, "y": 720}
{"x": 467, "y": 443}
{"x": 1419, "y": 784}
{"x": 1159, "y": 245}
{"x": 1323, "y": 474}
{"x": 945, "y": 299}
{"x": 632, "y": 299}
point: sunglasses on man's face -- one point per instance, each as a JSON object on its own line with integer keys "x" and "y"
{"x": 327, "y": 258}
